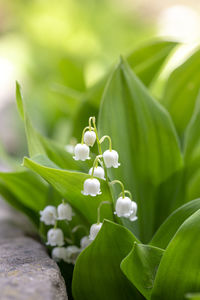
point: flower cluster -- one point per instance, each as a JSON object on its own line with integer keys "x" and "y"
{"x": 124, "y": 207}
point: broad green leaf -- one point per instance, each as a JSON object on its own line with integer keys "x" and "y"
{"x": 97, "y": 273}
{"x": 37, "y": 144}
{"x": 143, "y": 134}
{"x": 27, "y": 187}
{"x": 181, "y": 92}
{"x": 178, "y": 272}
{"x": 140, "y": 267}
{"x": 168, "y": 229}
{"x": 12, "y": 199}
{"x": 70, "y": 185}
{"x": 146, "y": 61}
{"x": 192, "y": 155}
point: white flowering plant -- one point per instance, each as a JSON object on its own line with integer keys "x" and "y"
{"x": 123, "y": 208}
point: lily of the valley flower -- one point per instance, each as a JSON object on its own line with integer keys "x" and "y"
{"x": 126, "y": 208}
{"x": 81, "y": 152}
{"x": 64, "y": 212}
{"x": 48, "y": 215}
{"x": 98, "y": 172}
{"x": 55, "y": 237}
{"x": 84, "y": 242}
{"x": 94, "y": 230}
{"x": 91, "y": 187}
{"x": 71, "y": 254}
{"x": 58, "y": 253}
{"x": 111, "y": 159}
{"x": 89, "y": 138}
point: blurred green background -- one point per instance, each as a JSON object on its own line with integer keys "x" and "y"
{"x": 59, "y": 50}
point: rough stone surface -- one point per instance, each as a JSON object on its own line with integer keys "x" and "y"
{"x": 26, "y": 270}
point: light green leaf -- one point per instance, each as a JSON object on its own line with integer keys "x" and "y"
{"x": 178, "y": 272}
{"x": 140, "y": 267}
{"x": 191, "y": 296}
{"x": 146, "y": 61}
{"x": 143, "y": 134}
{"x": 37, "y": 144}
{"x": 168, "y": 229}
{"x": 70, "y": 184}
{"x": 181, "y": 92}
{"x": 97, "y": 273}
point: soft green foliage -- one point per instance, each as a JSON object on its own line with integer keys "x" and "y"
{"x": 156, "y": 257}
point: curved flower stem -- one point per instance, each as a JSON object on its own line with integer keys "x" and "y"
{"x": 92, "y": 119}
{"x": 127, "y": 192}
{"x": 110, "y": 141}
{"x": 84, "y": 130}
{"x": 76, "y": 228}
{"x": 95, "y": 163}
{"x": 99, "y": 210}
{"x": 122, "y": 186}
{"x": 55, "y": 225}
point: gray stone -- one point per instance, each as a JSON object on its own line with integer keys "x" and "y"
{"x": 26, "y": 270}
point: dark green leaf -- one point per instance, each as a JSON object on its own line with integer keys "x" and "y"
{"x": 140, "y": 267}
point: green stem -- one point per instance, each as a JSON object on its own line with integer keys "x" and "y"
{"x": 95, "y": 163}
{"x": 110, "y": 141}
{"x": 121, "y": 184}
{"x": 129, "y": 193}
{"x": 99, "y": 210}
{"x": 76, "y": 228}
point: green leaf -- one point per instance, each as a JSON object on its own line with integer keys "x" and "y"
{"x": 70, "y": 184}
{"x": 140, "y": 267}
{"x": 192, "y": 155}
{"x": 178, "y": 272}
{"x": 97, "y": 273}
{"x": 27, "y": 188}
{"x": 191, "y": 296}
{"x": 181, "y": 92}
{"x": 146, "y": 61}
{"x": 37, "y": 144}
{"x": 143, "y": 134}
{"x": 168, "y": 229}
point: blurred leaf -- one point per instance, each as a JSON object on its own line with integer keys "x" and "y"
{"x": 37, "y": 144}
{"x": 168, "y": 229}
{"x": 70, "y": 184}
{"x": 147, "y": 60}
{"x": 193, "y": 296}
{"x": 178, "y": 272}
{"x": 140, "y": 267}
{"x": 97, "y": 273}
{"x": 181, "y": 92}
{"x": 143, "y": 134}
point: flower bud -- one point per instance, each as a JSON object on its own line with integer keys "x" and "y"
{"x": 71, "y": 254}
{"x": 55, "y": 237}
{"x": 58, "y": 253}
{"x": 111, "y": 158}
{"x": 94, "y": 230}
{"x": 48, "y": 215}
{"x": 84, "y": 242}
{"x": 91, "y": 187}
{"x": 81, "y": 152}
{"x": 70, "y": 148}
{"x": 98, "y": 172}
{"x": 64, "y": 212}
{"x": 126, "y": 208}
{"x": 89, "y": 138}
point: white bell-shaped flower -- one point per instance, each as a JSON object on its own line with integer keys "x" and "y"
{"x": 111, "y": 159}
{"x": 84, "y": 242}
{"x": 81, "y": 152}
{"x": 89, "y": 138}
{"x": 64, "y": 212}
{"x": 133, "y": 216}
{"x": 55, "y": 237}
{"x": 98, "y": 172}
{"x": 48, "y": 215}
{"x": 94, "y": 230}
{"x": 91, "y": 187}
{"x": 71, "y": 254}
{"x": 58, "y": 253}
{"x": 126, "y": 208}
{"x": 70, "y": 148}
